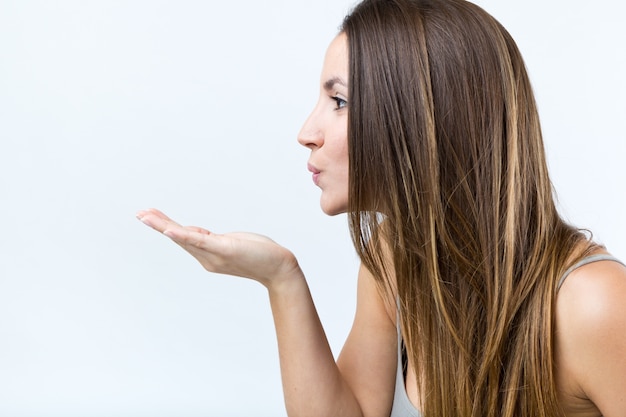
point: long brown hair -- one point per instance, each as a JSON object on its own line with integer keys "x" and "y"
{"x": 444, "y": 141}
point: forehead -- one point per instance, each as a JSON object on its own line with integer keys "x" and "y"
{"x": 336, "y": 59}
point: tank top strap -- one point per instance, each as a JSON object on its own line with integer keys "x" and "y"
{"x": 585, "y": 261}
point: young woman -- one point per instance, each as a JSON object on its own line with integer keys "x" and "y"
{"x": 474, "y": 297}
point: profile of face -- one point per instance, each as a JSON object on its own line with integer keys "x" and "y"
{"x": 325, "y": 132}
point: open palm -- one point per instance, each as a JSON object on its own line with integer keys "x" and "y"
{"x": 246, "y": 255}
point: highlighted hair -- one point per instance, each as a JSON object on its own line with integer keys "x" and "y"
{"x": 445, "y": 141}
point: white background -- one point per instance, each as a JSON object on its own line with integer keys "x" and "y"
{"x": 108, "y": 107}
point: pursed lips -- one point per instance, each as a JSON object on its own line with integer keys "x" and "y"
{"x": 316, "y": 173}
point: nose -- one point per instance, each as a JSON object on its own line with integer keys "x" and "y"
{"x": 311, "y": 134}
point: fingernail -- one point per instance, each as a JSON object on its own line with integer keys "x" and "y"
{"x": 168, "y": 233}
{"x": 144, "y": 221}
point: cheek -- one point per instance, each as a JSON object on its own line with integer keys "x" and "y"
{"x": 341, "y": 148}
{"x": 337, "y": 148}
{"x": 345, "y": 160}
{"x": 344, "y": 174}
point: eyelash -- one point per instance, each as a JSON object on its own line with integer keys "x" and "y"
{"x": 341, "y": 103}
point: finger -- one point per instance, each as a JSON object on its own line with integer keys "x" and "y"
{"x": 197, "y": 230}
{"x": 191, "y": 235}
{"x": 156, "y": 220}
{"x": 153, "y": 213}
{"x": 198, "y": 244}
{"x": 188, "y": 238}
{"x": 158, "y": 213}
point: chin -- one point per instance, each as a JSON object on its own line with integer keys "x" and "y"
{"x": 333, "y": 212}
{"x": 333, "y": 209}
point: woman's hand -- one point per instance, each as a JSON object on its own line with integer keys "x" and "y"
{"x": 242, "y": 254}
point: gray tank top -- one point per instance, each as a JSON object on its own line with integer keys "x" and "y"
{"x": 402, "y": 406}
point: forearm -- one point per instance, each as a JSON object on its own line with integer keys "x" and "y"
{"x": 312, "y": 383}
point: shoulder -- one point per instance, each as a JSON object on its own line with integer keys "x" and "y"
{"x": 594, "y": 290}
{"x": 591, "y": 336}
{"x": 593, "y": 294}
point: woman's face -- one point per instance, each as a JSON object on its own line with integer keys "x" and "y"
{"x": 325, "y": 132}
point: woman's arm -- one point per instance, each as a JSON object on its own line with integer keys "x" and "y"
{"x": 369, "y": 357}
{"x": 313, "y": 384}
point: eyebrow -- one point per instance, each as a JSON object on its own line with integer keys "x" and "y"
{"x": 328, "y": 85}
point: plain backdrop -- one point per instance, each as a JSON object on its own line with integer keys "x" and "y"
{"x": 111, "y": 106}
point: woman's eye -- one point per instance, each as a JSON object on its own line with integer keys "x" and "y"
{"x": 341, "y": 103}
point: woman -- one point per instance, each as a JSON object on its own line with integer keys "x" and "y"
{"x": 426, "y": 133}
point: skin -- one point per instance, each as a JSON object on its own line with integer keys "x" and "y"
{"x": 314, "y": 383}
{"x": 590, "y": 314}
{"x": 325, "y": 132}
{"x": 591, "y": 341}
